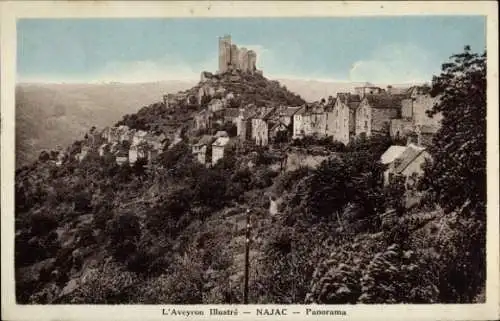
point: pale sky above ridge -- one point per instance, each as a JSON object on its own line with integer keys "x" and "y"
{"x": 374, "y": 49}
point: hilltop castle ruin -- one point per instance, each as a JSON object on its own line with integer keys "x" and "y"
{"x": 233, "y": 58}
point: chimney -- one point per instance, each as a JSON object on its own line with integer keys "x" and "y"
{"x": 389, "y": 89}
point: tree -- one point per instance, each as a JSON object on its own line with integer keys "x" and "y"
{"x": 458, "y": 171}
{"x": 44, "y": 156}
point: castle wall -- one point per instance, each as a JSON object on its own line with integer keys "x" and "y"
{"x": 224, "y": 53}
{"x": 232, "y": 57}
{"x": 234, "y": 60}
{"x": 243, "y": 59}
{"x": 252, "y": 61}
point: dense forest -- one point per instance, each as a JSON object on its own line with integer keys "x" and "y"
{"x": 171, "y": 231}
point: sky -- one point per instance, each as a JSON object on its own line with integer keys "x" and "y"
{"x": 373, "y": 49}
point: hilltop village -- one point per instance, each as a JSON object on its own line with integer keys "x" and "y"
{"x": 224, "y": 114}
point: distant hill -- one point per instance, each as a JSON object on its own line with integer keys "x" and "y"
{"x": 313, "y": 90}
{"x": 48, "y": 115}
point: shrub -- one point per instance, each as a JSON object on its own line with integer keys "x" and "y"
{"x": 43, "y": 223}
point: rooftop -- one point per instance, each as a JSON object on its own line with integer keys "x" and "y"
{"x": 409, "y": 154}
{"x": 205, "y": 140}
{"x": 221, "y": 142}
{"x": 290, "y": 111}
{"x": 391, "y": 154}
{"x": 384, "y": 101}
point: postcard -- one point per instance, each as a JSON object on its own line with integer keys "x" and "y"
{"x": 249, "y": 160}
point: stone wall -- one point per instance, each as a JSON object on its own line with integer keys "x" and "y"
{"x": 407, "y": 108}
{"x": 363, "y": 119}
{"x": 224, "y": 53}
{"x": 381, "y": 119}
{"x": 401, "y": 128}
{"x": 422, "y": 104}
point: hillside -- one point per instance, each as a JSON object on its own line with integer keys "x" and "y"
{"x": 48, "y": 115}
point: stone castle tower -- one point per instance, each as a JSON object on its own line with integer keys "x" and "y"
{"x": 233, "y": 58}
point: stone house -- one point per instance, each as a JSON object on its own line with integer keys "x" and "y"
{"x": 231, "y": 115}
{"x": 401, "y": 128}
{"x": 286, "y": 115}
{"x": 329, "y": 116}
{"x": 199, "y": 149}
{"x": 121, "y": 158}
{"x": 221, "y": 133}
{"x": 374, "y": 114}
{"x": 277, "y": 129}
{"x": 139, "y": 136}
{"x": 110, "y": 134}
{"x": 310, "y": 119}
{"x": 218, "y": 148}
{"x": 215, "y": 105}
{"x": 317, "y": 120}
{"x": 261, "y": 126}
{"x": 155, "y": 142}
{"x": 388, "y": 157}
{"x": 368, "y": 89}
{"x": 407, "y": 164}
{"x": 244, "y": 124}
{"x": 414, "y": 116}
{"x": 202, "y": 119}
{"x": 128, "y": 135}
{"x": 206, "y": 91}
{"x": 298, "y": 123}
{"x": 260, "y": 131}
{"x": 344, "y": 117}
{"x": 137, "y": 151}
{"x": 106, "y": 134}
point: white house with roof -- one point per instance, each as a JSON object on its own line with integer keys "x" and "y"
{"x": 139, "y": 136}
{"x": 199, "y": 149}
{"x": 405, "y": 161}
{"x": 218, "y": 148}
{"x": 388, "y": 158}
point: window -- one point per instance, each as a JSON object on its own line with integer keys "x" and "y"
{"x": 366, "y": 124}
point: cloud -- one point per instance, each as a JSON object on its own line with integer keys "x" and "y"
{"x": 166, "y": 68}
{"x": 169, "y": 67}
{"x": 395, "y": 63}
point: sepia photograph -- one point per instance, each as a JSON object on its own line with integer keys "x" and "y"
{"x": 232, "y": 160}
